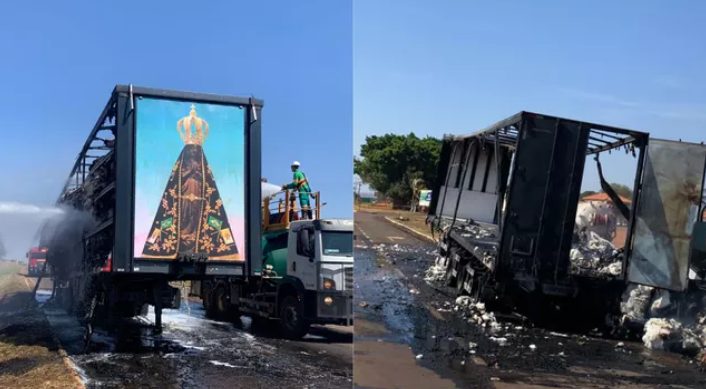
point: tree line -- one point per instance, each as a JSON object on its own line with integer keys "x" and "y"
{"x": 390, "y": 163}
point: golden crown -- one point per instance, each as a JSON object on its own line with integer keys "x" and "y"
{"x": 192, "y": 129}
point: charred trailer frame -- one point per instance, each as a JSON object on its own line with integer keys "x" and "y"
{"x": 505, "y": 203}
{"x": 94, "y": 252}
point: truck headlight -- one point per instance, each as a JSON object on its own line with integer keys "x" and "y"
{"x": 329, "y": 283}
{"x": 328, "y": 300}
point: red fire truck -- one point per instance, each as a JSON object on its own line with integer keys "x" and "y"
{"x": 36, "y": 257}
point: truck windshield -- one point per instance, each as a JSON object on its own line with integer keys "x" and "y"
{"x": 38, "y": 255}
{"x": 338, "y": 243}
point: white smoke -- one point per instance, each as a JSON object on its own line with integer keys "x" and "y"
{"x": 19, "y": 223}
{"x": 269, "y": 190}
{"x": 11, "y": 207}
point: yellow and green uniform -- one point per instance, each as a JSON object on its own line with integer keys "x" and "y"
{"x": 300, "y": 183}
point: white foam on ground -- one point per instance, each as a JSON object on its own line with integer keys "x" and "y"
{"x": 82, "y": 375}
{"x": 177, "y": 319}
{"x": 189, "y": 345}
{"x": 226, "y": 364}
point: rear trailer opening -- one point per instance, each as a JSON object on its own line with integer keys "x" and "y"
{"x": 160, "y": 191}
{"x": 610, "y": 180}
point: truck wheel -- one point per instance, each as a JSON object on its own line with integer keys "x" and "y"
{"x": 217, "y": 304}
{"x": 293, "y": 325}
{"x": 206, "y": 301}
{"x": 462, "y": 278}
{"x": 221, "y": 302}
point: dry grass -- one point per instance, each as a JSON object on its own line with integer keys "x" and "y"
{"x": 29, "y": 355}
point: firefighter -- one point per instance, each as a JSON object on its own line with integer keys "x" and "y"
{"x": 301, "y": 185}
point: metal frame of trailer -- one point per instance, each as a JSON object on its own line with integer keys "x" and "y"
{"x": 538, "y": 163}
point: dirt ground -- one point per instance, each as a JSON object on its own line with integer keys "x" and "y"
{"x": 29, "y": 355}
{"x": 414, "y": 220}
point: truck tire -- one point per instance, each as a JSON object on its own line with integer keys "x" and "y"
{"x": 293, "y": 325}
{"x": 221, "y": 302}
{"x": 216, "y": 303}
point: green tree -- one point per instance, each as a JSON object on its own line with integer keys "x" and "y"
{"x": 389, "y": 163}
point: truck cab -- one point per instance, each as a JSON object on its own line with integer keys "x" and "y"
{"x": 306, "y": 275}
{"x": 320, "y": 258}
{"x": 36, "y": 258}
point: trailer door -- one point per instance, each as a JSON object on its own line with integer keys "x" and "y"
{"x": 668, "y": 206}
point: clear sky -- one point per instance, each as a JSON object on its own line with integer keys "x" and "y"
{"x": 61, "y": 60}
{"x": 454, "y": 66}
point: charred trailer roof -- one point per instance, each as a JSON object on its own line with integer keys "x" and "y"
{"x": 167, "y": 183}
{"x": 521, "y": 177}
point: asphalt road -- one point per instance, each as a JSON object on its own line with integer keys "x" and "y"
{"x": 374, "y": 229}
{"x": 409, "y": 336}
{"x": 196, "y": 352}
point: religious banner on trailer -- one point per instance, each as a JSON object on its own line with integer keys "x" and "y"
{"x": 189, "y": 180}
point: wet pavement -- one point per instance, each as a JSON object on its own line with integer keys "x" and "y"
{"x": 196, "y": 352}
{"x": 408, "y": 334}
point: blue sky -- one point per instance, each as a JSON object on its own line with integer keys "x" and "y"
{"x": 61, "y": 60}
{"x": 458, "y": 66}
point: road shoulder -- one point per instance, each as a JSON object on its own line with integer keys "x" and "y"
{"x": 30, "y": 356}
{"x": 411, "y": 230}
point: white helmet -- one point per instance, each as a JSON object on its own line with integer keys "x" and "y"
{"x": 295, "y": 163}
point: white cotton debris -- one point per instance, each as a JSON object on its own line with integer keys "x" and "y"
{"x": 614, "y": 269}
{"x": 419, "y": 356}
{"x": 532, "y": 347}
{"x": 661, "y": 301}
{"x": 691, "y": 343}
{"x": 635, "y": 301}
{"x": 475, "y": 312}
{"x": 672, "y": 335}
{"x": 660, "y": 333}
{"x": 436, "y": 272}
{"x": 593, "y": 255}
{"x": 500, "y": 341}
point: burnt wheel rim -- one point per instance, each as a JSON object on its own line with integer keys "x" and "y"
{"x": 291, "y": 316}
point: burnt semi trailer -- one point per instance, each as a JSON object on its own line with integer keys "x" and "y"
{"x": 505, "y": 205}
{"x": 160, "y": 191}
